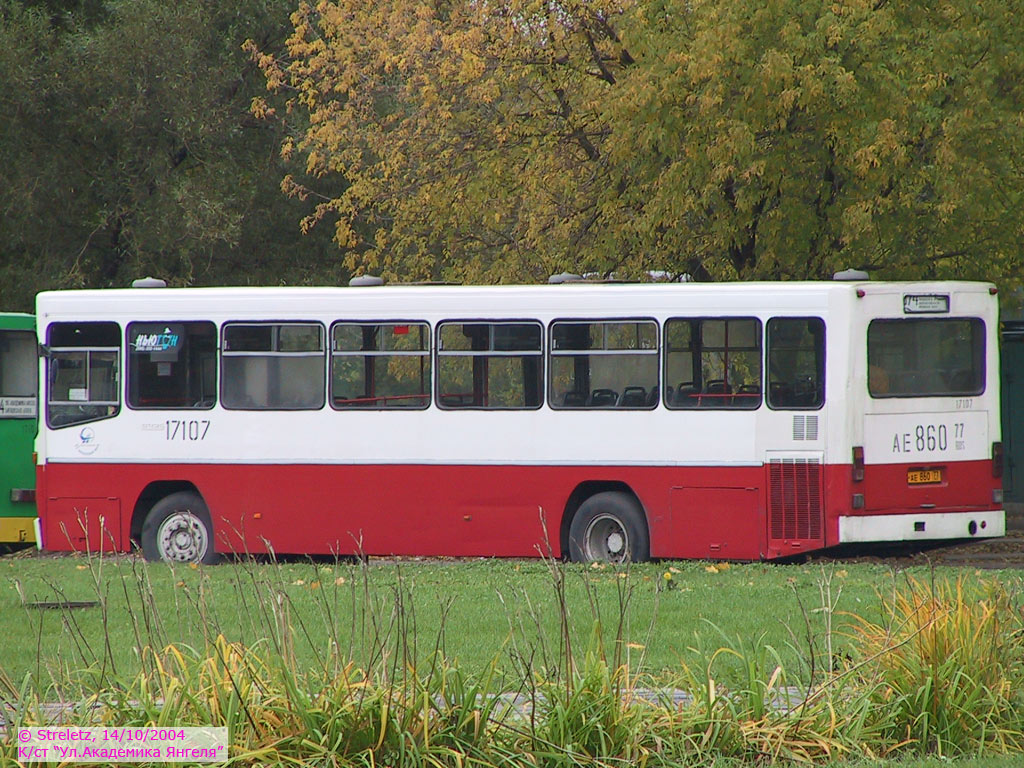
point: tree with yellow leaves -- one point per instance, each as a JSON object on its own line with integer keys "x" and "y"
{"x": 505, "y": 140}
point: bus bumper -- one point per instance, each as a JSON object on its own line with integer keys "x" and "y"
{"x": 17, "y": 530}
{"x": 923, "y": 526}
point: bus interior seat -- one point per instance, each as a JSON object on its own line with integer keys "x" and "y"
{"x": 805, "y": 392}
{"x": 652, "y": 396}
{"x": 602, "y": 398}
{"x": 780, "y": 395}
{"x": 633, "y": 397}
{"x": 745, "y": 396}
{"x": 687, "y": 395}
{"x": 574, "y": 399}
{"x": 718, "y": 388}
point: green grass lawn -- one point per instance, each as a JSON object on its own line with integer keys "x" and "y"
{"x": 399, "y": 663}
{"x": 475, "y": 611}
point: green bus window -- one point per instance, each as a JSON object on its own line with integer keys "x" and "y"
{"x": 713, "y": 362}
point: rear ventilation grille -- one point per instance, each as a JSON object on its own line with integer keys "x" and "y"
{"x": 794, "y": 489}
{"x": 805, "y": 427}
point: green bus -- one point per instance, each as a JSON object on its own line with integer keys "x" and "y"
{"x": 19, "y": 372}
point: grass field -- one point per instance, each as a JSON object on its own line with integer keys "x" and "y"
{"x": 479, "y": 611}
{"x": 74, "y": 627}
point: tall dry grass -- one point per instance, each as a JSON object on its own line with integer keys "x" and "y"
{"x": 941, "y": 672}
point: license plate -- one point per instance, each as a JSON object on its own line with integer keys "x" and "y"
{"x": 923, "y": 476}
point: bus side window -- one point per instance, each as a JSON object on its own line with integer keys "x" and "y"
{"x": 83, "y": 372}
{"x": 796, "y": 363}
{"x": 716, "y": 360}
{"x": 604, "y": 364}
{"x": 489, "y": 365}
{"x": 380, "y": 365}
{"x": 273, "y": 366}
{"x": 172, "y": 365}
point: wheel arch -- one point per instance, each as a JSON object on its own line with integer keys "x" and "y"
{"x": 151, "y": 494}
{"x": 584, "y": 491}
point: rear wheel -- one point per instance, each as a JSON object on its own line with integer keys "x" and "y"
{"x": 609, "y": 527}
{"x": 178, "y": 530}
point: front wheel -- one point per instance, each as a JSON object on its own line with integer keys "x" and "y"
{"x": 609, "y": 527}
{"x": 178, "y": 530}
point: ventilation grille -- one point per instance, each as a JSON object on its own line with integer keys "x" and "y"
{"x": 805, "y": 427}
{"x": 794, "y": 510}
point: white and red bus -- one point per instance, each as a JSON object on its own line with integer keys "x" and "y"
{"x": 594, "y": 421}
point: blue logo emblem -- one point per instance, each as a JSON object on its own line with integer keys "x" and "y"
{"x": 87, "y": 444}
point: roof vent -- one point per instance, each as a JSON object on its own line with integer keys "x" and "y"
{"x": 855, "y": 275}
{"x": 362, "y": 281}
{"x": 149, "y": 282}
{"x": 564, "y": 277}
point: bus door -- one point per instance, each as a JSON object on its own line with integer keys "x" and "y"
{"x": 18, "y": 375}
{"x": 793, "y": 420}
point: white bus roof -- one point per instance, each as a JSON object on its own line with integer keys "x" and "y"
{"x": 504, "y": 300}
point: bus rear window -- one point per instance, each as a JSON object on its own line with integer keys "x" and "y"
{"x": 926, "y": 357}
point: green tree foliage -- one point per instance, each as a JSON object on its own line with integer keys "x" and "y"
{"x": 128, "y": 148}
{"x": 504, "y": 140}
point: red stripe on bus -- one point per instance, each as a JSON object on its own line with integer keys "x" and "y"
{"x": 502, "y": 511}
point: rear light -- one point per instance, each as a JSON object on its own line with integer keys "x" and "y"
{"x": 997, "y": 459}
{"x": 858, "y": 463}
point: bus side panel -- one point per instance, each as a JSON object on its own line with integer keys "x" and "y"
{"x": 16, "y": 480}
{"x": 83, "y": 524}
{"x": 504, "y": 511}
{"x": 419, "y": 509}
{"x": 715, "y": 522}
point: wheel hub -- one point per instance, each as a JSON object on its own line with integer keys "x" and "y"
{"x": 182, "y": 538}
{"x": 606, "y": 539}
{"x": 615, "y": 542}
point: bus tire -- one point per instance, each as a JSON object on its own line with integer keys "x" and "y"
{"x": 609, "y": 527}
{"x": 178, "y": 530}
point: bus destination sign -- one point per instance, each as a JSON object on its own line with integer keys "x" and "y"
{"x": 925, "y": 304}
{"x": 17, "y": 407}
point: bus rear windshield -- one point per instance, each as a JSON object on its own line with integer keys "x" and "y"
{"x": 926, "y": 357}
